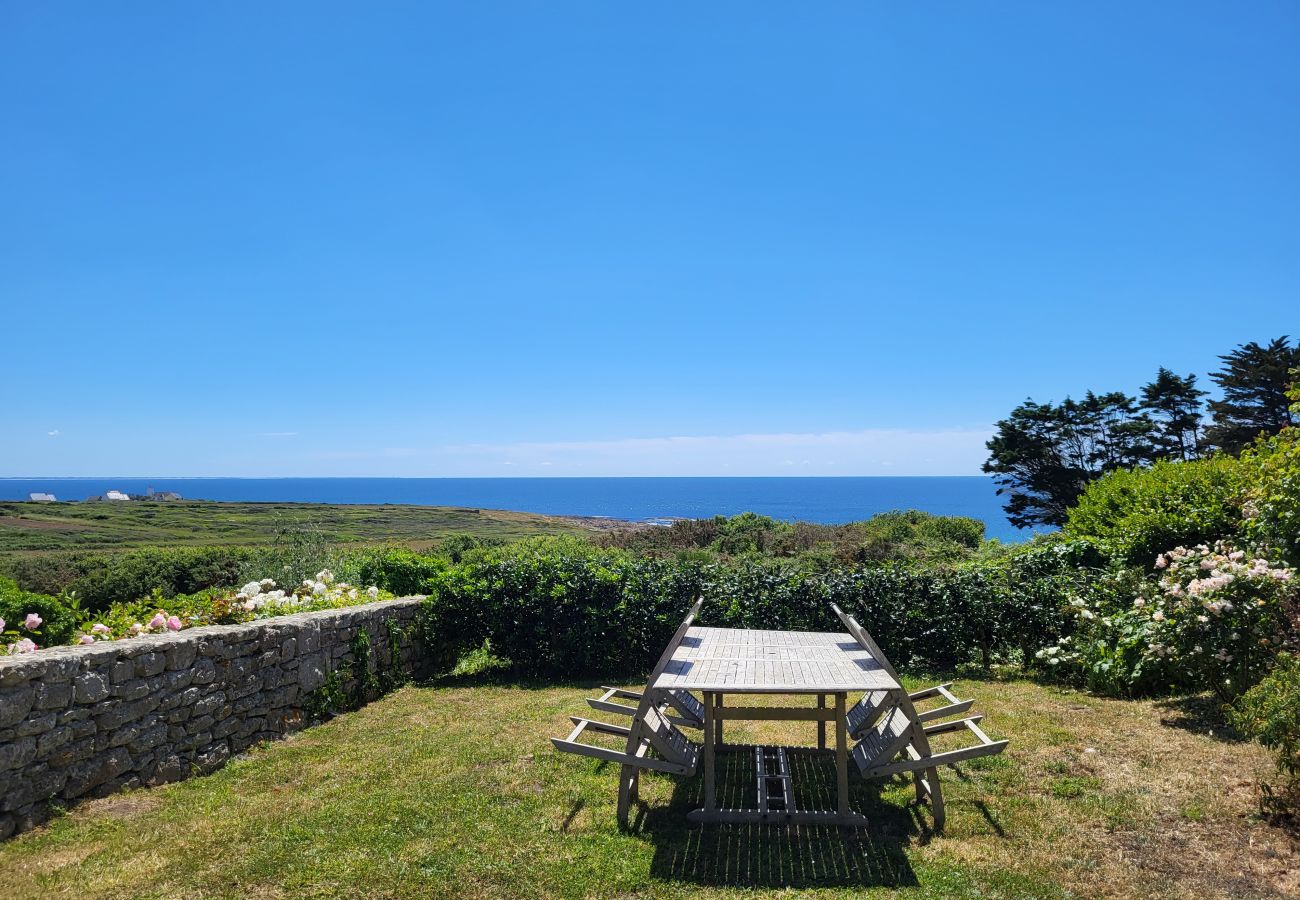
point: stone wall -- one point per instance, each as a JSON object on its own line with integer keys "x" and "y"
{"x": 80, "y": 722}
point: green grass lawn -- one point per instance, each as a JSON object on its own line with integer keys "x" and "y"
{"x": 456, "y": 791}
{"x": 99, "y": 526}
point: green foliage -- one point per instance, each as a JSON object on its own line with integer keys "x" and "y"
{"x": 360, "y": 677}
{"x": 1174, "y": 405}
{"x": 1135, "y": 514}
{"x": 403, "y": 572}
{"x": 1213, "y": 621}
{"x": 562, "y": 607}
{"x": 60, "y": 616}
{"x": 1270, "y": 713}
{"x": 1254, "y": 380}
{"x": 1273, "y": 498}
{"x": 1043, "y": 455}
{"x": 898, "y": 536}
{"x": 100, "y": 579}
{"x": 479, "y": 661}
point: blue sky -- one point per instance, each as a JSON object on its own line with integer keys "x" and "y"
{"x": 598, "y": 238}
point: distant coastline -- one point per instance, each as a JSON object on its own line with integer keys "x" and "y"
{"x": 826, "y": 500}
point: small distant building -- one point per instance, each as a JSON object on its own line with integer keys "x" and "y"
{"x": 163, "y": 495}
{"x": 116, "y": 495}
{"x": 38, "y": 497}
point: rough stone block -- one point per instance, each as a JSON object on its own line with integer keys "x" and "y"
{"x": 16, "y": 703}
{"x": 181, "y": 655}
{"x": 205, "y": 671}
{"x": 90, "y": 687}
{"x": 311, "y": 672}
{"x": 123, "y": 670}
{"x": 149, "y": 738}
{"x": 131, "y": 690}
{"x": 35, "y": 725}
{"x": 56, "y": 695}
{"x": 147, "y": 664}
{"x": 84, "y": 776}
{"x": 52, "y": 740}
{"x": 18, "y": 752}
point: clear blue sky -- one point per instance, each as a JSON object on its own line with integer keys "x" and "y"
{"x": 490, "y": 238}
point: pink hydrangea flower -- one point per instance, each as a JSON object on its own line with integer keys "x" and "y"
{"x": 86, "y": 639}
{"x": 26, "y": 645}
{"x": 158, "y": 621}
{"x": 2, "y": 624}
{"x": 32, "y": 622}
{"x": 175, "y": 624}
{"x": 100, "y": 628}
{"x": 137, "y": 628}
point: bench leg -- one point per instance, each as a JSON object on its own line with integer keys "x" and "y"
{"x": 936, "y": 798}
{"x": 629, "y": 779}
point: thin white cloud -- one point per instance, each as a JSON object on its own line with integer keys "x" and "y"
{"x": 871, "y": 451}
{"x": 54, "y": 433}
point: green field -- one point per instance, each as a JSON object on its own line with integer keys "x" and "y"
{"x": 454, "y": 790}
{"x": 101, "y": 526}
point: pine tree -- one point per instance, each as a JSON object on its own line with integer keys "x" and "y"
{"x": 1254, "y": 381}
{"x": 1043, "y": 455}
{"x": 1174, "y": 404}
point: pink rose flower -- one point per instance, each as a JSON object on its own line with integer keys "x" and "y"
{"x": 158, "y": 621}
{"x": 86, "y": 639}
{"x": 175, "y": 624}
{"x": 32, "y": 622}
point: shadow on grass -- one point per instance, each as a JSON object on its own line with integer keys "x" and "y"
{"x": 1200, "y": 714}
{"x": 799, "y": 856}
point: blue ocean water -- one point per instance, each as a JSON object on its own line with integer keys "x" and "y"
{"x": 824, "y": 500}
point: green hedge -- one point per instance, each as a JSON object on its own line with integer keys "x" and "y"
{"x": 565, "y": 608}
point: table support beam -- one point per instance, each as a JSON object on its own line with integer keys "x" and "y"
{"x": 710, "y": 755}
{"x": 842, "y": 753}
{"x": 821, "y": 723}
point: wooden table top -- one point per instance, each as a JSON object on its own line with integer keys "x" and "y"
{"x": 752, "y": 661}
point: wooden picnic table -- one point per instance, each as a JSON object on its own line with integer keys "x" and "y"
{"x": 891, "y": 736}
{"x": 721, "y": 661}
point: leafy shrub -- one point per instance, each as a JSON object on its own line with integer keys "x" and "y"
{"x": 403, "y": 572}
{"x": 225, "y": 606}
{"x": 1273, "y": 498}
{"x": 1213, "y": 621}
{"x": 556, "y": 608}
{"x": 59, "y": 616}
{"x": 1134, "y": 514}
{"x": 1270, "y": 713}
{"x": 101, "y": 579}
{"x": 897, "y": 536}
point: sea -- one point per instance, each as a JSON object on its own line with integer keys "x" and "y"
{"x": 822, "y": 500}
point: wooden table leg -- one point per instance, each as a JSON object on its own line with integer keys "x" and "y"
{"x": 821, "y": 723}
{"x": 710, "y": 723}
{"x": 842, "y": 754}
{"x": 717, "y": 723}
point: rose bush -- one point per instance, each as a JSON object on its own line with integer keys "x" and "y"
{"x": 159, "y": 614}
{"x": 1214, "y": 619}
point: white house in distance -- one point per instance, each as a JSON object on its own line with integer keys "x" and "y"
{"x": 38, "y": 497}
{"x": 116, "y": 495}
